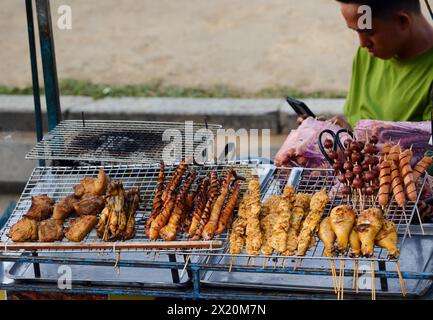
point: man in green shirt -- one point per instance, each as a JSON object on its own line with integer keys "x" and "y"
{"x": 392, "y": 73}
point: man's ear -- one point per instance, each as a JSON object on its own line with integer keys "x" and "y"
{"x": 404, "y": 20}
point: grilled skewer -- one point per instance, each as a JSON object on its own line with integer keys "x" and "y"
{"x": 407, "y": 174}
{"x": 227, "y": 213}
{"x": 157, "y": 200}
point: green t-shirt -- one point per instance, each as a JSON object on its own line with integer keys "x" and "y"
{"x": 390, "y": 90}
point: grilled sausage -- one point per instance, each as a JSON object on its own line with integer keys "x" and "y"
{"x": 394, "y": 153}
{"x": 421, "y": 167}
{"x": 407, "y": 174}
{"x": 385, "y": 182}
{"x": 397, "y": 186}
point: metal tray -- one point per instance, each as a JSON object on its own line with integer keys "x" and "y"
{"x": 416, "y": 256}
{"x": 101, "y": 275}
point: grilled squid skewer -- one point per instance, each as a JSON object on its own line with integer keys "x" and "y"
{"x": 227, "y": 214}
{"x": 212, "y": 224}
{"x": 199, "y": 205}
{"x": 169, "y": 231}
{"x": 157, "y": 200}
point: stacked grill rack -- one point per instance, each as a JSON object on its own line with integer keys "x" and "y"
{"x": 93, "y": 141}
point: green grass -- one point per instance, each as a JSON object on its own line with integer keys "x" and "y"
{"x": 157, "y": 88}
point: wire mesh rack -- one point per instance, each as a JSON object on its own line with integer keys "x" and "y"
{"x": 121, "y": 141}
{"x": 311, "y": 181}
{"x": 58, "y": 182}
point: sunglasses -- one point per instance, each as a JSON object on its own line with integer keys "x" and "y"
{"x": 429, "y": 8}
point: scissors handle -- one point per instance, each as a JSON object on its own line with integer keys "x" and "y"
{"x": 322, "y": 149}
{"x": 337, "y": 140}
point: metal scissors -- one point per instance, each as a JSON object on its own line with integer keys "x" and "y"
{"x": 337, "y": 144}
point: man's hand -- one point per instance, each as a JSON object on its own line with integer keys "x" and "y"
{"x": 338, "y": 120}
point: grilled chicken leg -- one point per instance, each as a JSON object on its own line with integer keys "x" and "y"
{"x": 387, "y": 239}
{"x": 327, "y": 236}
{"x": 355, "y": 244}
{"x": 368, "y": 225}
{"x": 342, "y": 220}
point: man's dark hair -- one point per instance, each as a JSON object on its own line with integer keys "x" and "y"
{"x": 385, "y": 7}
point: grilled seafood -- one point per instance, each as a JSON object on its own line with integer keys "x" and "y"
{"x": 157, "y": 200}
{"x": 41, "y": 208}
{"x": 168, "y": 232}
{"x": 133, "y": 200}
{"x": 176, "y": 178}
{"x": 227, "y": 213}
{"x": 199, "y": 205}
{"x": 212, "y": 224}
{"x": 24, "y": 230}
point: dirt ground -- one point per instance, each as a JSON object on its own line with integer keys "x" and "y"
{"x": 250, "y": 44}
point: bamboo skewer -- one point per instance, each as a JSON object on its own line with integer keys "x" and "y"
{"x": 231, "y": 263}
{"x": 400, "y": 278}
{"x": 373, "y": 287}
{"x": 184, "y": 267}
{"x": 334, "y": 276}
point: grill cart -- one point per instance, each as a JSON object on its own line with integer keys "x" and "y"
{"x": 130, "y": 152}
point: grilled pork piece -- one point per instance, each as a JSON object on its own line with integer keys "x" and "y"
{"x": 79, "y": 228}
{"x": 24, "y": 230}
{"x": 92, "y": 186}
{"x": 41, "y": 208}
{"x": 64, "y": 208}
{"x": 91, "y": 205}
{"x": 50, "y": 230}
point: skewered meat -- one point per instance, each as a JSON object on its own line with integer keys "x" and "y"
{"x": 161, "y": 220}
{"x": 176, "y": 178}
{"x": 133, "y": 200}
{"x": 385, "y": 182}
{"x": 387, "y": 238}
{"x": 189, "y": 209}
{"x": 397, "y": 185}
{"x": 342, "y": 221}
{"x": 268, "y": 217}
{"x": 24, "y": 230}
{"x": 237, "y": 236}
{"x": 157, "y": 199}
{"x": 355, "y": 244}
{"x": 407, "y": 174}
{"x": 227, "y": 213}
{"x": 421, "y": 167}
{"x": 311, "y": 223}
{"x": 282, "y": 223}
{"x": 212, "y": 224}
{"x": 91, "y": 186}
{"x": 394, "y": 153}
{"x": 41, "y": 208}
{"x": 327, "y": 236}
{"x": 253, "y": 241}
{"x": 300, "y": 210}
{"x": 368, "y": 225}
{"x": 91, "y": 205}
{"x": 169, "y": 231}
{"x": 385, "y": 151}
{"x": 64, "y": 208}
{"x": 79, "y": 228}
{"x": 199, "y": 205}
{"x": 213, "y": 194}
{"x": 50, "y": 230}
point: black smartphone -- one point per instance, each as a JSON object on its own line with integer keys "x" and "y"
{"x": 300, "y": 108}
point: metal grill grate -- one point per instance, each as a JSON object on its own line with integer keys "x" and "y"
{"x": 58, "y": 182}
{"x": 314, "y": 180}
{"x": 115, "y": 141}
